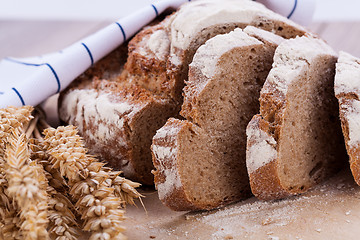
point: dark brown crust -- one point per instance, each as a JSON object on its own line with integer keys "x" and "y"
{"x": 265, "y": 183}
{"x": 278, "y": 27}
{"x": 144, "y": 68}
{"x": 176, "y": 199}
{"x": 345, "y": 102}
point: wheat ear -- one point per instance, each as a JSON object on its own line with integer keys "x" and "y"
{"x": 62, "y": 220}
{"x": 62, "y": 225}
{"x": 12, "y": 118}
{"x": 9, "y": 226}
{"x": 11, "y": 229}
{"x": 96, "y": 202}
{"x": 27, "y": 186}
{"x": 124, "y": 188}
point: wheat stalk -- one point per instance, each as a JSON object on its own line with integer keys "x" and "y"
{"x": 9, "y": 221}
{"x": 62, "y": 220}
{"x": 10, "y": 118}
{"x": 94, "y": 199}
{"x": 36, "y": 187}
{"x": 27, "y": 186}
{"x": 11, "y": 228}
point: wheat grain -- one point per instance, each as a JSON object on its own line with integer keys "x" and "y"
{"x": 27, "y": 185}
{"x": 11, "y": 228}
{"x": 62, "y": 224}
{"x": 53, "y": 175}
{"x": 96, "y": 202}
{"x": 11, "y": 118}
{"x": 62, "y": 220}
{"x": 124, "y": 188}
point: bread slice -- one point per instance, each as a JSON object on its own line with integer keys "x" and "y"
{"x": 158, "y": 61}
{"x": 295, "y": 142}
{"x": 200, "y": 162}
{"x": 198, "y": 21}
{"x": 347, "y": 91}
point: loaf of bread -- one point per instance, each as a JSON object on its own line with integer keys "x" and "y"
{"x": 296, "y": 142}
{"x": 347, "y": 91}
{"x": 153, "y": 78}
{"x": 200, "y": 162}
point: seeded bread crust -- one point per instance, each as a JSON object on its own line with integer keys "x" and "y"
{"x": 347, "y": 91}
{"x": 265, "y": 131}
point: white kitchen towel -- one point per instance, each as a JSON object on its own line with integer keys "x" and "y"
{"x": 29, "y": 81}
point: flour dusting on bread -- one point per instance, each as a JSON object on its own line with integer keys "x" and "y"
{"x": 262, "y": 148}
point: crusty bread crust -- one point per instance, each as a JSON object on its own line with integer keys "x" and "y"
{"x": 108, "y": 116}
{"x": 167, "y": 175}
{"x": 347, "y": 91}
{"x": 265, "y": 183}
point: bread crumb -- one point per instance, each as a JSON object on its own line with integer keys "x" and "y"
{"x": 348, "y": 221}
{"x": 348, "y": 212}
{"x": 267, "y": 221}
{"x": 318, "y": 230}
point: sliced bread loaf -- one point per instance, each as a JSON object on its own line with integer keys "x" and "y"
{"x": 347, "y": 91}
{"x": 158, "y": 64}
{"x": 200, "y": 162}
{"x": 295, "y": 142}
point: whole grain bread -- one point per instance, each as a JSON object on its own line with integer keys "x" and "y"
{"x": 295, "y": 142}
{"x": 347, "y": 91}
{"x": 200, "y": 161}
{"x": 157, "y": 63}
